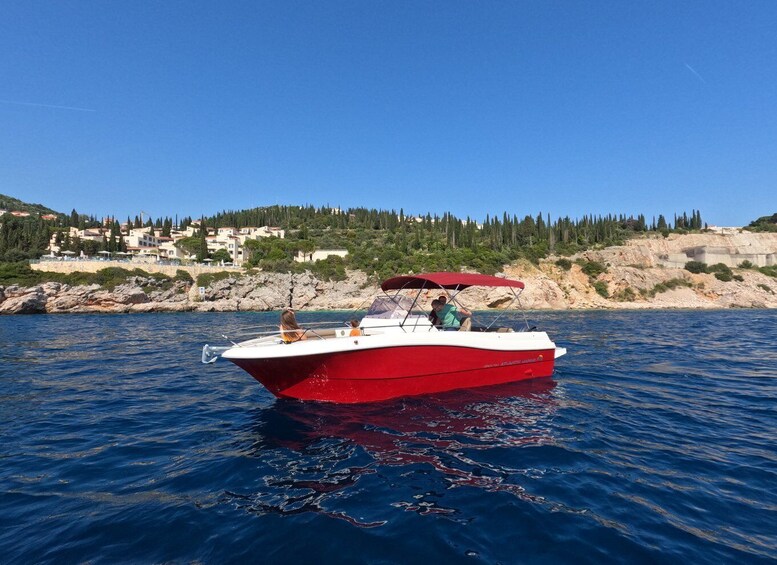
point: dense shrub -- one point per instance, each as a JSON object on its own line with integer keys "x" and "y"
{"x": 770, "y": 271}
{"x": 331, "y": 268}
{"x": 724, "y": 276}
{"x": 671, "y": 284}
{"x": 284, "y": 265}
{"x": 746, "y": 265}
{"x": 665, "y": 286}
{"x": 696, "y": 267}
{"x": 593, "y": 268}
{"x": 625, "y": 295}
{"x": 109, "y": 278}
{"x": 722, "y": 272}
{"x": 764, "y": 223}
{"x": 565, "y": 264}
{"x": 207, "y": 279}
{"x": 18, "y": 273}
{"x": 601, "y": 288}
{"x": 183, "y": 276}
{"x": 719, "y": 268}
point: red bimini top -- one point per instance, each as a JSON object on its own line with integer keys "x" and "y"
{"x": 447, "y": 280}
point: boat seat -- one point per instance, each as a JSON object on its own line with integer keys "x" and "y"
{"x": 328, "y": 333}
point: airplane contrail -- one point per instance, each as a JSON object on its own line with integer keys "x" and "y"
{"x": 47, "y": 106}
{"x": 690, "y": 68}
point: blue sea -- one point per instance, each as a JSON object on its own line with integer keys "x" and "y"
{"x": 655, "y": 441}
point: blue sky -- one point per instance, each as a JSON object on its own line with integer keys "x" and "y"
{"x": 567, "y": 108}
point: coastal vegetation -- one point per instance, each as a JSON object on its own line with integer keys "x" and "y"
{"x": 20, "y": 273}
{"x": 383, "y": 242}
{"x": 666, "y": 286}
{"x": 764, "y": 223}
{"x": 379, "y": 243}
{"x": 721, "y": 271}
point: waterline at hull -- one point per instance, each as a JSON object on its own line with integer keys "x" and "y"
{"x": 368, "y": 375}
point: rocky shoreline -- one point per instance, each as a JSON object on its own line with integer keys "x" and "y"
{"x": 634, "y": 278}
{"x": 547, "y": 287}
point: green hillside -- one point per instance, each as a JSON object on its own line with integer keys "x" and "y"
{"x": 14, "y": 204}
{"x": 764, "y": 223}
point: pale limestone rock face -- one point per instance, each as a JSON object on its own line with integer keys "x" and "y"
{"x": 71, "y": 299}
{"x": 194, "y": 294}
{"x": 224, "y": 305}
{"x": 53, "y": 288}
{"x": 251, "y": 305}
{"x": 28, "y": 303}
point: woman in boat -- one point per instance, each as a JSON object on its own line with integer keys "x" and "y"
{"x": 290, "y": 329}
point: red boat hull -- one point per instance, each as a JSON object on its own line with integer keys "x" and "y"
{"x": 379, "y": 374}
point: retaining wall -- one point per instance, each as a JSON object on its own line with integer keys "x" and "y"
{"x": 78, "y": 265}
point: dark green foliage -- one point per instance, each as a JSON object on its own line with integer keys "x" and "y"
{"x": 188, "y": 244}
{"x": 183, "y": 276}
{"x": 719, "y": 268}
{"x": 764, "y": 223}
{"x": 110, "y": 278}
{"x": 202, "y": 243}
{"x": 665, "y": 286}
{"x": 23, "y": 238}
{"x": 696, "y": 267}
{"x": 221, "y": 255}
{"x": 671, "y": 284}
{"x": 593, "y": 268}
{"x": 14, "y": 204}
{"x": 723, "y": 276}
{"x": 386, "y": 242}
{"x": 769, "y": 271}
{"x": 765, "y": 287}
{"x": 18, "y": 273}
{"x": 207, "y": 279}
{"x": 625, "y": 295}
{"x": 383, "y": 241}
{"x": 565, "y": 264}
{"x": 722, "y": 272}
{"x": 746, "y": 265}
{"x": 601, "y": 288}
{"x": 332, "y": 268}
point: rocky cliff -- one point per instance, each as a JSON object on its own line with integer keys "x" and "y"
{"x": 636, "y": 276}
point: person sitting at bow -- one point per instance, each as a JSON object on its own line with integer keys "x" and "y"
{"x": 290, "y": 329}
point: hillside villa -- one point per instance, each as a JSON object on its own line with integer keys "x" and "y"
{"x": 147, "y": 244}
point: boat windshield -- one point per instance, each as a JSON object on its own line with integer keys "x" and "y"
{"x": 390, "y": 307}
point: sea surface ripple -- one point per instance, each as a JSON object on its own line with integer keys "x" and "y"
{"x": 655, "y": 441}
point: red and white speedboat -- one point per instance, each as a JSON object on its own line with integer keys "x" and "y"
{"x": 400, "y": 352}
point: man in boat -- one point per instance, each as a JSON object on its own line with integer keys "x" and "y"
{"x": 449, "y": 315}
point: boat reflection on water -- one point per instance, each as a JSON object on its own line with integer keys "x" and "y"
{"x": 315, "y": 456}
